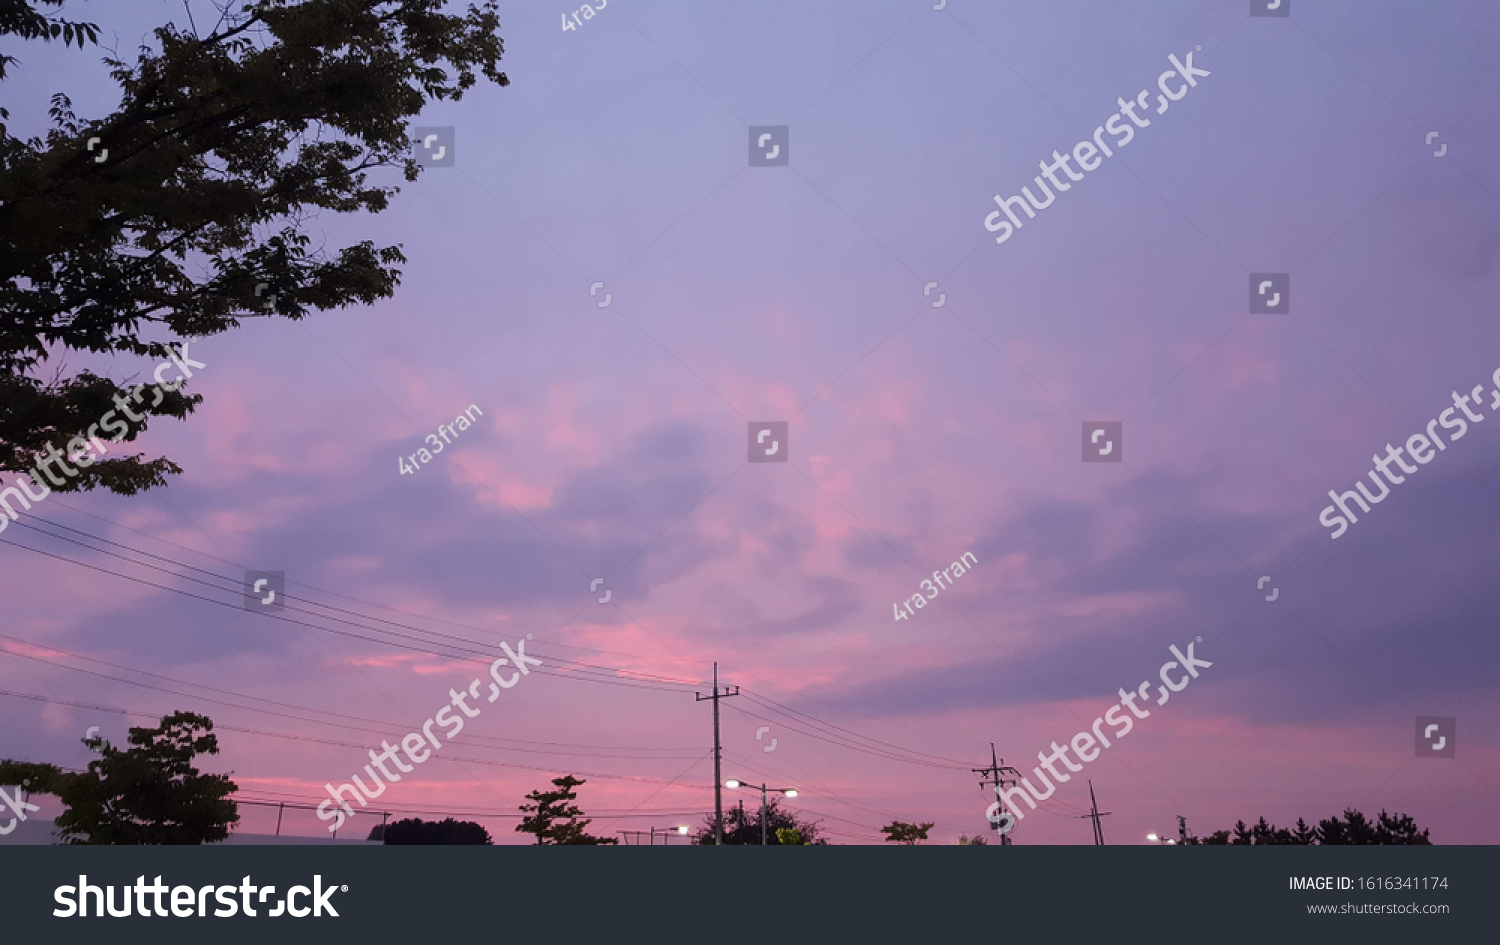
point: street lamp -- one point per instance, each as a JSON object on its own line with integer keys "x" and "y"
{"x": 1163, "y": 841}
{"x": 787, "y": 792}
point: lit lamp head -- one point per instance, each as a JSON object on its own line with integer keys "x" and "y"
{"x": 790, "y": 792}
{"x": 732, "y": 783}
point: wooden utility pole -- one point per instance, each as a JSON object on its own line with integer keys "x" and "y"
{"x": 997, "y": 780}
{"x": 1095, "y": 815}
{"x": 718, "y": 773}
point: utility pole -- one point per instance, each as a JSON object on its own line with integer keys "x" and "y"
{"x": 279, "y": 808}
{"x": 718, "y": 773}
{"x": 1182, "y": 831}
{"x": 762, "y": 815}
{"x": 1095, "y": 815}
{"x": 996, "y": 772}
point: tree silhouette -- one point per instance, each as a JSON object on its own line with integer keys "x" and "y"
{"x": 184, "y": 210}
{"x": 1356, "y": 829}
{"x": 22, "y": 19}
{"x": 555, "y": 819}
{"x": 898, "y": 831}
{"x": 1353, "y": 828}
{"x": 1303, "y": 834}
{"x": 147, "y": 794}
{"x": 416, "y": 831}
{"x": 1262, "y": 833}
{"x": 742, "y": 827}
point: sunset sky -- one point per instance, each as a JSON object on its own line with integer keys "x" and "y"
{"x": 613, "y": 441}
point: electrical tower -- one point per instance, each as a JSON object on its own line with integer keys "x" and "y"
{"x": 997, "y": 780}
{"x": 718, "y": 774}
{"x": 1182, "y": 829}
{"x": 1095, "y": 815}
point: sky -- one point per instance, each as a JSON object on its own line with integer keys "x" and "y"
{"x": 612, "y": 440}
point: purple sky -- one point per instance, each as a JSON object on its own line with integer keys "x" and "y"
{"x": 613, "y": 441}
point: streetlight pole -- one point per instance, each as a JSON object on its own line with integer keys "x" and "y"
{"x": 789, "y": 792}
{"x": 762, "y": 815}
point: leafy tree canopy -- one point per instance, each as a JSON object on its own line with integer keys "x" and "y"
{"x": 416, "y": 831}
{"x": 149, "y": 793}
{"x": 555, "y": 819}
{"x": 19, "y": 18}
{"x": 742, "y": 828}
{"x": 898, "y": 831}
{"x": 223, "y": 146}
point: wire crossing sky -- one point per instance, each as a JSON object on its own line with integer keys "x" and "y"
{"x": 772, "y": 312}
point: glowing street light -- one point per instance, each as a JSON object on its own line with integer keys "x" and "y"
{"x": 787, "y": 792}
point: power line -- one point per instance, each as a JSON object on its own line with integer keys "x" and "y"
{"x": 759, "y": 768}
{"x": 853, "y": 746}
{"x": 455, "y": 811}
{"x": 321, "y": 590}
{"x": 309, "y": 709}
{"x": 823, "y": 730}
{"x": 230, "y": 584}
{"x": 582, "y": 674}
{"x": 384, "y": 726}
{"x": 344, "y": 744}
{"x": 772, "y": 705}
{"x": 585, "y": 671}
{"x": 233, "y": 585}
